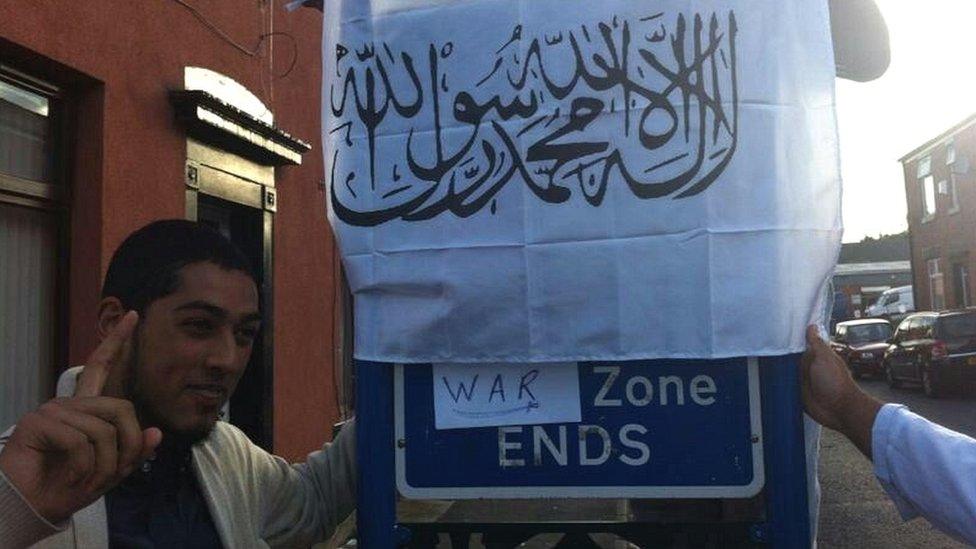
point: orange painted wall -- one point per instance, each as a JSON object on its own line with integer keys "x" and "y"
{"x": 116, "y": 62}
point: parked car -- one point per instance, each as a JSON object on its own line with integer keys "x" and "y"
{"x": 893, "y": 304}
{"x": 862, "y": 344}
{"x": 937, "y": 350}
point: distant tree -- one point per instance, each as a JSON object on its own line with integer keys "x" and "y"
{"x": 886, "y": 247}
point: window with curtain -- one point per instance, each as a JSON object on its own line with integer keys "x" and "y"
{"x": 928, "y": 197}
{"x": 31, "y": 211}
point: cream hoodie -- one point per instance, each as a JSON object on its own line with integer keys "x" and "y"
{"x": 256, "y": 499}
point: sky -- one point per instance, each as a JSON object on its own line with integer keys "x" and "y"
{"x": 929, "y": 87}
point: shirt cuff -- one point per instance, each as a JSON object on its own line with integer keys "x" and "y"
{"x": 883, "y": 433}
{"x": 20, "y": 525}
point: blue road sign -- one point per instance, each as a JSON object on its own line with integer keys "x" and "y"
{"x": 649, "y": 429}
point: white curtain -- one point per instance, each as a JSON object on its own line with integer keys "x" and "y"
{"x": 28, "y": 244}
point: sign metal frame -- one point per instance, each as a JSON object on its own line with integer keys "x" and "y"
{"x": 585, "y": 491}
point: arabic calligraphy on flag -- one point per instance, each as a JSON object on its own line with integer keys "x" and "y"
{"x": 559, "y": 180}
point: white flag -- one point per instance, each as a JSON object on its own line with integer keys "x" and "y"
{"x": 563, "y": 180}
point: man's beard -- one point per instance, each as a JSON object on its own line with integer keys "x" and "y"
{"x": 147, "y": 413}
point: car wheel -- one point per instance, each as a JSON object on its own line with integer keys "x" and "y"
{"x": 890, "y": 377}
{"x": 930, "y": 384}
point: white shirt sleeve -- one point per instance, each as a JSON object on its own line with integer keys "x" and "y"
{"x": 927, "y": 470}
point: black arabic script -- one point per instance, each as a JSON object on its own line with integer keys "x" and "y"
{"x": 648, "y": 103}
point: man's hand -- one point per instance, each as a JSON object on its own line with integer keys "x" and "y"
{"x": 70, "y": 451}
{"x": 830, "y": 395}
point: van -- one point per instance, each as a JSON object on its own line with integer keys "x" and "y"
{"x": 893, "y": 304}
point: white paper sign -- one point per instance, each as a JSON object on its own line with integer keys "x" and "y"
{"x": 487, "y": 395}
{"x": 566, "y": 180}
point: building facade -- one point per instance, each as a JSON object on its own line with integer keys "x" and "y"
{"x": 115, "y": 114}
{"x": 940, "y": 189}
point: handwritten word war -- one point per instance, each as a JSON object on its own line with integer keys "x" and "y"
{"x": 467, "y": 390}
{"x": 491, "y": 395}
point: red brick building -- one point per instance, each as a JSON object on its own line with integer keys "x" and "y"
{"x": 114, "y": 114}
{"x": 940, "y": 188}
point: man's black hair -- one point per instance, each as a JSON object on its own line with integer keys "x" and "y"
{"x": 146, "y": 266}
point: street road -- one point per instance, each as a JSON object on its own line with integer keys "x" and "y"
{"x": 855, "y": 511}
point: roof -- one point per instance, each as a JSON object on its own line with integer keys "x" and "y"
{"x": 879, "y": 267}
{"x": 932, "y": 143}
{"x": 956, "y": 312}
{"x": 905, "y": 288}
{"x": 863, "y": 321}
{"x": 950, "y": 312}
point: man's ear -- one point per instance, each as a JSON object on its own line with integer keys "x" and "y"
{"x": 110, "y": 312}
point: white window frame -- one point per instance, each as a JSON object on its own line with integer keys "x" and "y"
{"x": 950, "y": 152}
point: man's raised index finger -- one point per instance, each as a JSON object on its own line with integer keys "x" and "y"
{"x": 105, "y": 356}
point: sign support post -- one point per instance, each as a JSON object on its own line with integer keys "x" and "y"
{"x": 376, "y": 482}
{"x": 787, "y": 507}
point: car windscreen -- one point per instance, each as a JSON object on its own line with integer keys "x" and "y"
{"x": 867, "y": 333}
{"x": 957, "y": 326}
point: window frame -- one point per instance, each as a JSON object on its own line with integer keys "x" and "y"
{"x": 901, "y": 330}
{"x": 51, "y": 196}
{"x": 960, "y": 281}
{"x": 924, "y": 167}
{"x": 953, "y": 193}
{"x": 926, "y": 325}
{"x": 48, "y": 195}
{"x": 909, "y": 332}
{"x": 935, "y": 274}
{"x": 966, "y": 298}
